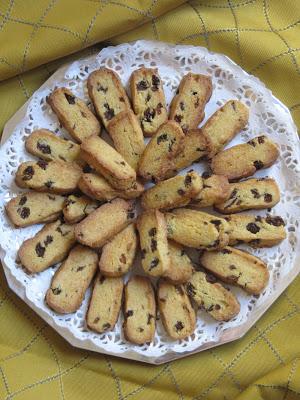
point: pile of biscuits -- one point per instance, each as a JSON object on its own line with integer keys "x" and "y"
{"x": 86, "y": 192}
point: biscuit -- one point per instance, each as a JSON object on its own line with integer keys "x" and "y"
{"x": 118, "y": 255}
{"x": 174, "y": 192}
{"x": 105, "y": 304}
{"x": 176, "y": 311}
{"x": 154, "y": 244}
{"x": 245, "y": 159}
{"x": 220, "y": 303}
{"x": 48, "y": 247}
{"x": 73, "y": 114}
{"x": 107, "y": 94}
{"x": 148, "y": 99}
{"x": 77, "y": 207}
{"x": 96, "y": 187}
{"x": 238, "y": 268}
{"x": 194, "y": 149}
{"x": 127, "y": 136}
{"x": 34, "y": 208}
{"x": 71, "y": 280}
{"x": 250, "y": 194}
{"x": 187, "y": 106}
{"x": 216, "y": 189}
{"x": 197, "y": 229}
{"x": 108, "y": 162}
{"x": 181, "y": 268}
{"x": 105, "y": 222}
{"x": 47, "y": 146}
{"x": 54, "y": 176}
{"x": 157, "y": 160}
{"x": 139, "y": 311}
{"x": 256, "y": 230}
{"x": 224, "y": 124}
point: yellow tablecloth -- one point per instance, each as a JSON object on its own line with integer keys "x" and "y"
{"x": 263, "y": 36}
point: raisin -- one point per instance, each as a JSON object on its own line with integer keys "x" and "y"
{"x": 252, "y": 227}
{"x": 148, "y": 97}
{"x": 210, "y": 278}
{"x": 122, "y": 100}
{"x": 150, "y": 316}
{"x": 158, "y": 108}
{"x": 155, "y": 83}
{"x": 49, "y": 239}
{"x": 42, "y": 164}
{"x": 141, "y": 329}
{"x": 129, "y": 313}
{"x": 187, "y": 180}
{"x": 190, "y": 288}
{"x": 251, "y": 143}
{"x": 56, "y": 290}
{"x": 25, "y": 212}
{"x": 170, "y": 147}
{"x": 216, "y": 222}
{"x": 232, "y": 266}
{"x": 181, "y": 105}
{"x": 268, "y": 197}
{"x": 196, "y": 104}
{"x": 275, "y": 221}
{"x": 97, "y": 319}
{"x": 70, "y": 99}
{"x": 178, "y": 118}
{"x": 206, "y": 175}
{"x": 109, "y": 113}
{"x": 130, "y": 215}
{"x": 153, "y": 245}
{"x": 154, "y": 263}
{"x": 258, "y": 164}
{"x": 100, "y": 88}
{"x": 226, "y": 251}
{"x": 180, "y": 192}
{"x": 210, "y": 308}
{"x": 261, "y": 139}
{"x": 194, "y": 93}
{"x": 142, "y": 85}
{"x": 152, "y": 232}
{"x": 106, "y": 326}
{"x": 122, "y": 163}
{"x": 49, "y": 184}
{"x": 40, "y": 250}
{"x": 179, "y": 326}
{"x": 81, "y": 268}
{"x": 217, "y": 307}
{"x": 149, "y": 114}
{"x": 28, "y": 173}
{"x": 255, "y": 193}
{"x": 44, "y": 148}
{"x": 23, "y": 200}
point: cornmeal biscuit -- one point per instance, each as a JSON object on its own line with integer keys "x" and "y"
{"x": 154, "y": 244}
{"x": 187, "y": 107}
{"x": 73, "y": 114}
{"x": 176, "y": 311}
{"x": 174, "y": 192}
{"x": 181, "y": 268}
{"x": 194, "y": 149}
{"x": 48, "y": 247}
{"x": 105, "y": 222}
{"x": 77, "y": 207}
{"x": 96, "y": 187}
{"x": 256, "y": 230}
{"x": 245, "y": 159}
{"x": 197, "y": 229}
{"x": 157, "y": 161}
{"x": 216, "y": 188}
{"x": 33, "y": 208}
{"x": 139, "y": 310}
{"x": 118, "y": 255}
{"x": 107, "y": 94}
{"x": 108, "y": 162}
{"x": 127, "y": 136}
{"x": 148, "y": 99}
{"x": 238, "y": 268}
{"x": 47, "y": 146}
{"x": 71, "y": 280}
{"x": 54, "y": 176}
{"x": 250, "y": 194}
{"x": 105, "y": 304}
{"x": 224, "y": 124}
{"x": 220, "y": 303}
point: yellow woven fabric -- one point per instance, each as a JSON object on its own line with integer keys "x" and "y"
{"x": 263, "y": 36}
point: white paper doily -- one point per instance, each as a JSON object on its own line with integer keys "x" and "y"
{"x": 267, "y": 115}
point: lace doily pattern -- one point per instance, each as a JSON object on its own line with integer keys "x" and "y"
{"x": 267, "y": 115}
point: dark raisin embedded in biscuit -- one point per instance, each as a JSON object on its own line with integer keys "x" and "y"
{"x": 255, "y": 193}
{"x": 49, "y": 239}
{"x": 122, "y": 259}
{"x": 153, "y": 245}
{"x": 44, "y": 148}
{"x": 252, "y": 227}
{"x": 49, "y": 184}
{"x": 182, "y": 106}
{"x": 226, "y": 251}
{"x": 158, "y": 108}
{"x": 40, "y": 250}
{"x": 24, "y": 212}
{"x": 70, "y": 99}
{"x": 28, "y": 173}
{"x": 179, "y": 326}
{"x": 217, "y": 307}
{"x": 180, "y": 192}
{"x": 109, "y": 113}
{"x": 148, "y": 97}
{"x": 275, "y": 221}
{"x": 129, "y": 313}
{"x": 81, "y": 268}
{"x": 210, "y": 278}
{"x": 142, "y": 85}
{"x": 152, "y": 232}
{"x": 149, "y": 114}
{"x": 187, "y": 180}
{"x": 42, "y": 164}
{"x": 178, "y": 118}
{"x": 100, "y": 88}
{"x": 154, "y": 263}
{"x": 122, "y": 100}
{"x": 141, "y": 329}
{"x": 106, "y": 326}
{"x": 206, "y": 174}
{"x": 251, "y": 143}
{"x": 261, "y": 139}
{"x": 258, "y": 164}
{"x": 23, "y": 200}
{"x": 190, "y": 288}
{"x": 155, "y": 83}
{"x": 232, "y": 266}
{"x": 268, "y": 197}
{"x": 56, "y": 290}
